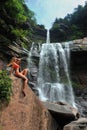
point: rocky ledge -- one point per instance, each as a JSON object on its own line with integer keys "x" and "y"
{"x": 25, "y": 112}
{"x": 29, "y": 113}
{"x": 79, "y": 45}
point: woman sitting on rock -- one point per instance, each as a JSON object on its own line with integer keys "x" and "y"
{"x": 15, "y": 67}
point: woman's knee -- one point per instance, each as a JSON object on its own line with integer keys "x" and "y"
{"x": 26, "y": 70}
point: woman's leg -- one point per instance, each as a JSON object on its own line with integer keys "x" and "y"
{"x": 25, "y": 81}
{"x": 19, "y": 74}
{"x": 24, "y": 72}
{"x": 22, "y": 75}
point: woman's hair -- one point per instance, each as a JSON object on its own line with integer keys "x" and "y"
{"x": 13, "y": 59}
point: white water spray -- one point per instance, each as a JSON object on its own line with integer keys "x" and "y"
{"x": 30, "y": 56}
{"x": 53, "y": 80}
{"x": 48, "y": 37}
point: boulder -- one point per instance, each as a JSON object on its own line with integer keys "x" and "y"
{"x": 80, "y": 124}
{"x": 80, "y": 41}
{"x": 63, "y": 113}
{"x": 25, "y": 112}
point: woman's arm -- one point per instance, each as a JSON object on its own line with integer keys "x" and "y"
{"x": 9, "y": 64}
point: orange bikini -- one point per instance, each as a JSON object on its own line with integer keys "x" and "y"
{"x": 16, "y": 67}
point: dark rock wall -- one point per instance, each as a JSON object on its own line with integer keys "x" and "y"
{"x": 78, "y": 69}
{"x": 78, "y": 60}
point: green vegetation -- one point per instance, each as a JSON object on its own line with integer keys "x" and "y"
{"x": 76, "y": 85}
{"x": 5, "y": 86}
{"x": 14, "y": 20}
{"x": 73, "y": 26}
{"x": 17, "y": 22}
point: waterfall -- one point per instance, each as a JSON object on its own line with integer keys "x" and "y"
{"x": 30, "y": 56}
{"x": 53, "y": 79}
{"x": 34, "y": 51}
{"x": 48, "y": 37}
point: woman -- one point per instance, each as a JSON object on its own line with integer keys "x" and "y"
{"x": 15, "y": 67}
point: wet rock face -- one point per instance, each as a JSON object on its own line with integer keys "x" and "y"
{"x": 62, "y": 113}
{"x": 78, "y": 69}
{"x": 78, "y": 60}
{"x": 82, "y": 105}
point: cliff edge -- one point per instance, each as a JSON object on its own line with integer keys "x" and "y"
{"x": 25, "y": 112}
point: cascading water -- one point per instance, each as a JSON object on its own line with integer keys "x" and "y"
{"x": 48, "y": 37}
{"x": 34, "y": 51}
{"x": 53, "y": 79}
{"x": 29, "y": 56}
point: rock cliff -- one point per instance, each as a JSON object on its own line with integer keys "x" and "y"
{"x": 25, "y": 112}
{"x": 78, "y": 69}
{"x": 78, "y": 72}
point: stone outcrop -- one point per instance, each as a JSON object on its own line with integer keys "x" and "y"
{"x": 63, "y": 113}
{"x": 80, "y": 124}
{"x": 25, "y": 112}
{"x": 79, "y": 45}
{"x": 80, "y": 41}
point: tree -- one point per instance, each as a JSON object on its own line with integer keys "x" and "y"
{"x": 16, "y": 20}
{"x": 5, "y": 86}
{"x": 72, "y": 26}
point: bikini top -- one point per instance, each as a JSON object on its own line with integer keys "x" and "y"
{"x": 15, "y": 66}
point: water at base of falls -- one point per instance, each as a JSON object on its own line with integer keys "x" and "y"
{"x": 53, "y": 79}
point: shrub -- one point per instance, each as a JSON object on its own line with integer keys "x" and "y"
{"x": 5, "y": 86}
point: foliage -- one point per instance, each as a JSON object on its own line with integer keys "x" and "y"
{"x": 77, "y": 85}
{"x": 16, "y": 20}
{"x": 5, "y": 86}
{"x": 72, "y": 26}
{"x": 19, "y": 32}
